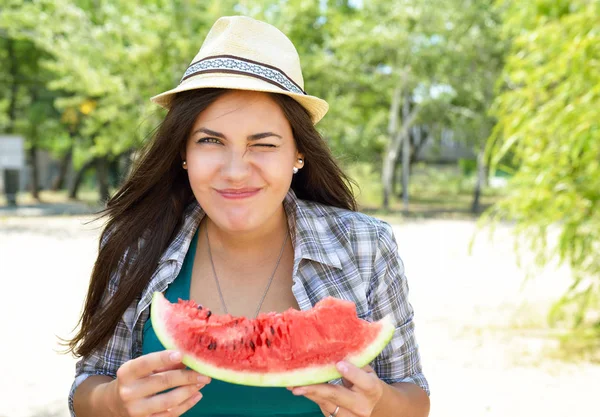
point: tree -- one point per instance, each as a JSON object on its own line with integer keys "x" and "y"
{"x": 29, "y": 103}
{"x": 419, "y": 66}
{"x": 477, "y": 51}
{"x": 388, "y": 70}
{"x": 549, "y": 129}
{"x": 111, "y": 57}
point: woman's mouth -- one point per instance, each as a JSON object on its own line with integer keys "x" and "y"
{"x": 238, "y": 193}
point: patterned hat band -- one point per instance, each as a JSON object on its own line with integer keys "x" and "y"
{"x": 237, "y": 65}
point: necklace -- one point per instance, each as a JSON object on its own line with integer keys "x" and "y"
{"x": 217, "y": 279}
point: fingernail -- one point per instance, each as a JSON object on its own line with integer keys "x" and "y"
{"x": 175, "y": 356}
{"x": 342, "y": 367}
{"x": 197, "y": 397}
{"x": 203, "y": 379}
{"x": 300, "y": 391}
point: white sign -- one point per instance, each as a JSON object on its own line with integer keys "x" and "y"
{"x": 12, "y": 152}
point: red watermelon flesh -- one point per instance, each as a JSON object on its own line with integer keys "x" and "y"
{"x": 275, "y": 349}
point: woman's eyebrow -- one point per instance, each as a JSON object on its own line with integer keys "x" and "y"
{"x": 263, "y": 135}
{"x": 209, "y": 132}
{"x": 256, "y": 136}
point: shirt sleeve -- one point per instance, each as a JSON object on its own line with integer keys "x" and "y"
{"x": 107, "y": 359}
{"x": 388, "y": 294}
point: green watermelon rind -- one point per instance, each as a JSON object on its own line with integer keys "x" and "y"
{"x": 305, "y": 376}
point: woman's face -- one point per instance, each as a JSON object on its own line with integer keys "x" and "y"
{"x": 240, "y": 155}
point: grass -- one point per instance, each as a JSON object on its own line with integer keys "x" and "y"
{"x": 88, "y": 197}
{"x": 434, "y": 191}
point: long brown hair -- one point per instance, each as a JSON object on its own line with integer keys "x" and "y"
{"x": 152, "y": 199}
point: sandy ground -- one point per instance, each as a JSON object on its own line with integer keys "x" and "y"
{"x": 474, "y": 318}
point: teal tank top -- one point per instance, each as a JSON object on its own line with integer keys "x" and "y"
{"x": 219, "y": 398}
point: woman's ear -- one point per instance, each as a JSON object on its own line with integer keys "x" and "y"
{"x": 183, "y": 161}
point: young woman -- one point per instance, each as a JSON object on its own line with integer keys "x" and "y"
{"x": 238, "y": 204}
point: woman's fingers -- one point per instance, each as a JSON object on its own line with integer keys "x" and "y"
{"x": 163, "y": 381}
{"x": 143, "y": 366}
{"x": 327, "y": 408}
{"x": 358, "y": 378}
{"x": 181, "y": 408}
{"x": 168, "y": 368}
{"x": 165, "y": 401}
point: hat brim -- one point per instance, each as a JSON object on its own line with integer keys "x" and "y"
{"x": 315, "y": 106}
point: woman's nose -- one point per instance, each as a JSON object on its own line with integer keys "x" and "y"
{"x": 236, "y": 166}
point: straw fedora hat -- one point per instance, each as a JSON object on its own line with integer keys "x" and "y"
{"x": 246, "y": 54}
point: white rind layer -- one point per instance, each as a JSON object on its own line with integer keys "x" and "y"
{"x": 304, "y": 376}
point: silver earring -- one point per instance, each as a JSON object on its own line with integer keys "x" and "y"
{"x": 295, "y": 170}
{"x": 300, "y": 160}
{"x": 184, "y": 164}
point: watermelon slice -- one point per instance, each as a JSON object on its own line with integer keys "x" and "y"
{"x": 274, "y": 350}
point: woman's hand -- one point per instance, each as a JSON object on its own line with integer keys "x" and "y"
{"x": 137, "y": 390}
{"x": 358, "y": 397}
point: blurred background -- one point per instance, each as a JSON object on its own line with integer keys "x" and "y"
{"x": 473, "y": 127}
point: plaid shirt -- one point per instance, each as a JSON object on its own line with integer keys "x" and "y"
{"x": 337, "y": 253}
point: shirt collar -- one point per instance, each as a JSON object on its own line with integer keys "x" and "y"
{"x": 178, "y": 248}
{"x": 311, "y": 235}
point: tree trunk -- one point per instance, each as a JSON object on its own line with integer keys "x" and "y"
{"x": 389, "y": 162}
{"x": 59, "y": 181}
{"x": 418, "y": 144}
{"x": 14, "y": 85}
{"x": 35, "y": 172}
{"x": 79, "y": 177}
{"x": 391, "y": 153}
{"x": 405, "y": 152}
{"x": 11, "y": 176}
{"x": 35, "y": 176}
{"x": 102, "y": 178}
{"x": 396, "y": 178}
{"x": 397, "y": 135}
{"x": 481, "y": 174}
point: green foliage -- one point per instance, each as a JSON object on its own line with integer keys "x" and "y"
{"x": 467, "y": 166}
{"x": 118, "y": 54}
{"x": 114, "y": 55}
{"x": 549, "y": 128}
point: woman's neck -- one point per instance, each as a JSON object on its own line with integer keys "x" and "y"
{"x": 254, "y": 243}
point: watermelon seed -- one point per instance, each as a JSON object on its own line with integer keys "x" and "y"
{"x": 268, "y": 343}
{"x": 252, "y": 345}
{"x": 212, "y": 346}
{"x": 199, "y": 306}
{"x": 272, "y": 330}
{"x": 208, "y": 314}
